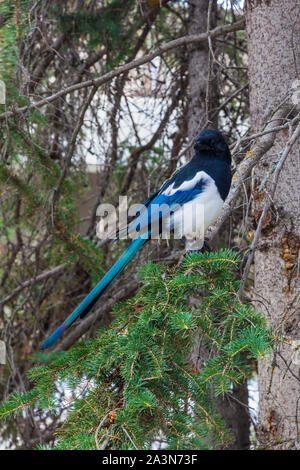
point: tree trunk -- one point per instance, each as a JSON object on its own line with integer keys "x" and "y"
{"x": 273, "y": 30}
{"x": 203, "y": 87}
{"x": 203, "y": 102}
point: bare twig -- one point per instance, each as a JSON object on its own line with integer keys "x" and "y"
{"x": 161, "y": 49}
{"x": 72, "y": 144}
{"x": 252, "y": 158}
{"x": 40, "y": 277}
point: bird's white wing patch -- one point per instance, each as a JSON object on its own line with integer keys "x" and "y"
{"x": 194, "y": 217}
{"x": 186, "y": 185}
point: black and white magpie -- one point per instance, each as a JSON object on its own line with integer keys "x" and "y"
{"x": 186, "y": 204}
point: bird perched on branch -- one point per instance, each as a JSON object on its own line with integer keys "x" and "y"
{"x": 186, "y": 204}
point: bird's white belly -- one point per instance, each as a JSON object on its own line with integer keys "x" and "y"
{"x": 192, "y": 220}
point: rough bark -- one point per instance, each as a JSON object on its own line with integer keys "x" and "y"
{"x": 273, "y": 30}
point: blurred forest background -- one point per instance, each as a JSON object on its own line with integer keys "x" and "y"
{"x": 104, "y": 98}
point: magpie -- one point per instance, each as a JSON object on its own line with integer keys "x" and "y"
{"x": 202, "y": 183}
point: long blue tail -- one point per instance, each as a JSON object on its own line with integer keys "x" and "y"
{"x": 87, "y": 304}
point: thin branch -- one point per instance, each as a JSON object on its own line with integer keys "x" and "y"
{"x": 85, "y": 324}
{"x": 161, "y": 49}
{"x": 72, "y": 144}
{"x": 267, "y": 205}
{"x": 40, "y": 277}
{"x": 126, "y": 290}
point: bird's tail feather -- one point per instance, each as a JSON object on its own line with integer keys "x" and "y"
{"x": 86, "y": 305}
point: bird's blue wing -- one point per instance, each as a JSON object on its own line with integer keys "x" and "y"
{"x": 129, "y": 227}
{"x": 174, "y": 193}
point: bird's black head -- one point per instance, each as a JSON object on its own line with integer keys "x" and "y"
{"x": 212, "y": 142}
